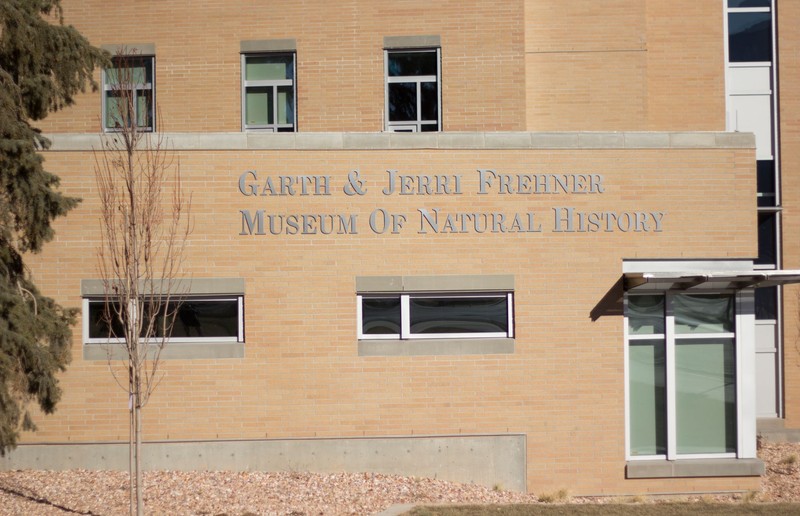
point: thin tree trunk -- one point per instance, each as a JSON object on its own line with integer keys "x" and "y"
{"x": 131, "y": 461}
{"x": 139, "y": 485}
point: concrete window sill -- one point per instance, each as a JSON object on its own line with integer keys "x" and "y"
{"x": 694, "y": 468}
{"x": 414, "y": 347}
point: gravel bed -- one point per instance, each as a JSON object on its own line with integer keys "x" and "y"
{"x": 256, "y": 493}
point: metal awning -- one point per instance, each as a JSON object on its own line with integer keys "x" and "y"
{"x": 727, "y": 280}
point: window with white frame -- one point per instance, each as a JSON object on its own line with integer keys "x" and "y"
{"x": 432, "y": 316}
{"x": 268, "y": 92}
{"x": 196, "y": 319}
{"x": 413, "y": 93}
{"x": 129, "y": 93}
{"x": 682, "y": 375}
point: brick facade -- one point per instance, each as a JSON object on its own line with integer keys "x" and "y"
{"x": 507, "y": 67}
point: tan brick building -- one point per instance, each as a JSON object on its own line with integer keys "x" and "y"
{"x": 553, "y": 287}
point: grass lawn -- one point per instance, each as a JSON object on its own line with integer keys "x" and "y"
{"x": 646, "y": 509}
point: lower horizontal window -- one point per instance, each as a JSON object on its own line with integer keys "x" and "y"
{"x": 193, "y": 319}
{"x": 431, "y": 316}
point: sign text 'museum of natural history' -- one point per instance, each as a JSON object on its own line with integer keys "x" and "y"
{"x": 432, "y": 220}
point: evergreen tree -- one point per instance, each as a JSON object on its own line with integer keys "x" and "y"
{"x": 43, "y": 64}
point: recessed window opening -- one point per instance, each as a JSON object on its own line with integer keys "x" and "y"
{"x": 128, "y": 93}
{"x": 195, "y": 319}
{"x": 268, "y": 92}
{"x": 413, "y": 97}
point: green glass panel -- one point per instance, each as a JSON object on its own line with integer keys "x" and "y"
{"x": 703, "y": 313}
{"x": 705, "y": 390}
{"x": 113, "y": 110}
{"x": 647, "y": 377}
{"x": 268, "y": 68}
{"x": 112, "y": 76}
{"x": 258, "y": 106}
{"x": 136, "y": 71}
{"x": 646, "y": 315}
{"x": 142, "y": 109}
{"x": 138, "y": 75}
{"x": 285, "y": 105}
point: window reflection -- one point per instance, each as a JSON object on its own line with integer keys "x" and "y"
{"x": 749, "y": 36}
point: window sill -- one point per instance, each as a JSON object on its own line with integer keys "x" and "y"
{"x": 172, "y": 351}
{"x": 415, "y": 347}
{"x": 694, "y": 468}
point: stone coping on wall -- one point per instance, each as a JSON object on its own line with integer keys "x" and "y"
{"x": 443, "y": 140}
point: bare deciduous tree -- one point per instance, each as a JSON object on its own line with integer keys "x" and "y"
{"x": 145, "y": 225}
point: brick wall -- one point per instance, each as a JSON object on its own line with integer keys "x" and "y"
{"x": 301, "y": 375}
{"x": 789, "y": 119}
{"x": 624, "y": 65}
{"x": 340, "y": 62}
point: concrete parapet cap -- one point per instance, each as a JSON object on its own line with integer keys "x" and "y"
{"x": 253, "y": 140}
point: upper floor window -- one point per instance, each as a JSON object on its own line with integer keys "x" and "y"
{"x": 129, "y": 93}
{"x": 413, "y": 93}
{"x": 749, "y": 31}
{"x": 268, "y": 92}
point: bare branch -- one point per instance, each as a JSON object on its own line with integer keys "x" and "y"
{"x": 145, "y": 225}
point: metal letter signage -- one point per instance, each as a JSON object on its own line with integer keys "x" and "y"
{"x": 433, "y": 220}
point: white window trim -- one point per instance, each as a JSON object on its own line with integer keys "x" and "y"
{"x": 175, "y": 340}
{"x": 274, "y": 84}
{"x": 411, "y": 125}
{"x": 136, "y": 88}
{"x": 744, "y": 346}
{"x": 405, "y": 317}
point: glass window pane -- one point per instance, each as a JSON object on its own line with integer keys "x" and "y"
{"x": 429, "y": 128}
{"x": 265, "y": 68}
{"x": 703, "y": 313}
{"x": 705, "y": 390}
{"x": 766, "y": 182}
{"x": 99, "y": 327}
{"x": 112, "y": 76}
{"x": 458, "y": 315}
{"x": 114, "y": 110}
{"x": 402, "y": 101}
{"x": 258, "y": 106}
{"x": 646, "y": 315}
{"x": 139, "y": 74}
{"x": 749, "y": 37}
{"x": 196, "y": 318}
{"x": 402, "y": 64}
{"x": 143, "y": 105}
{"x": 766, "y": 303}
{"x": 429, "y": 99}
{"x": 380, "y": 316}
{"x": 748, "y": 3}
{"x": 647, "y": 377}
{"x": 130, "y": 70}
{"x": 285, "y": 105}
{"x": 767, "y": 238}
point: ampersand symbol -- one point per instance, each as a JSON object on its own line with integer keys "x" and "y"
{"x": 354, "y": 184}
